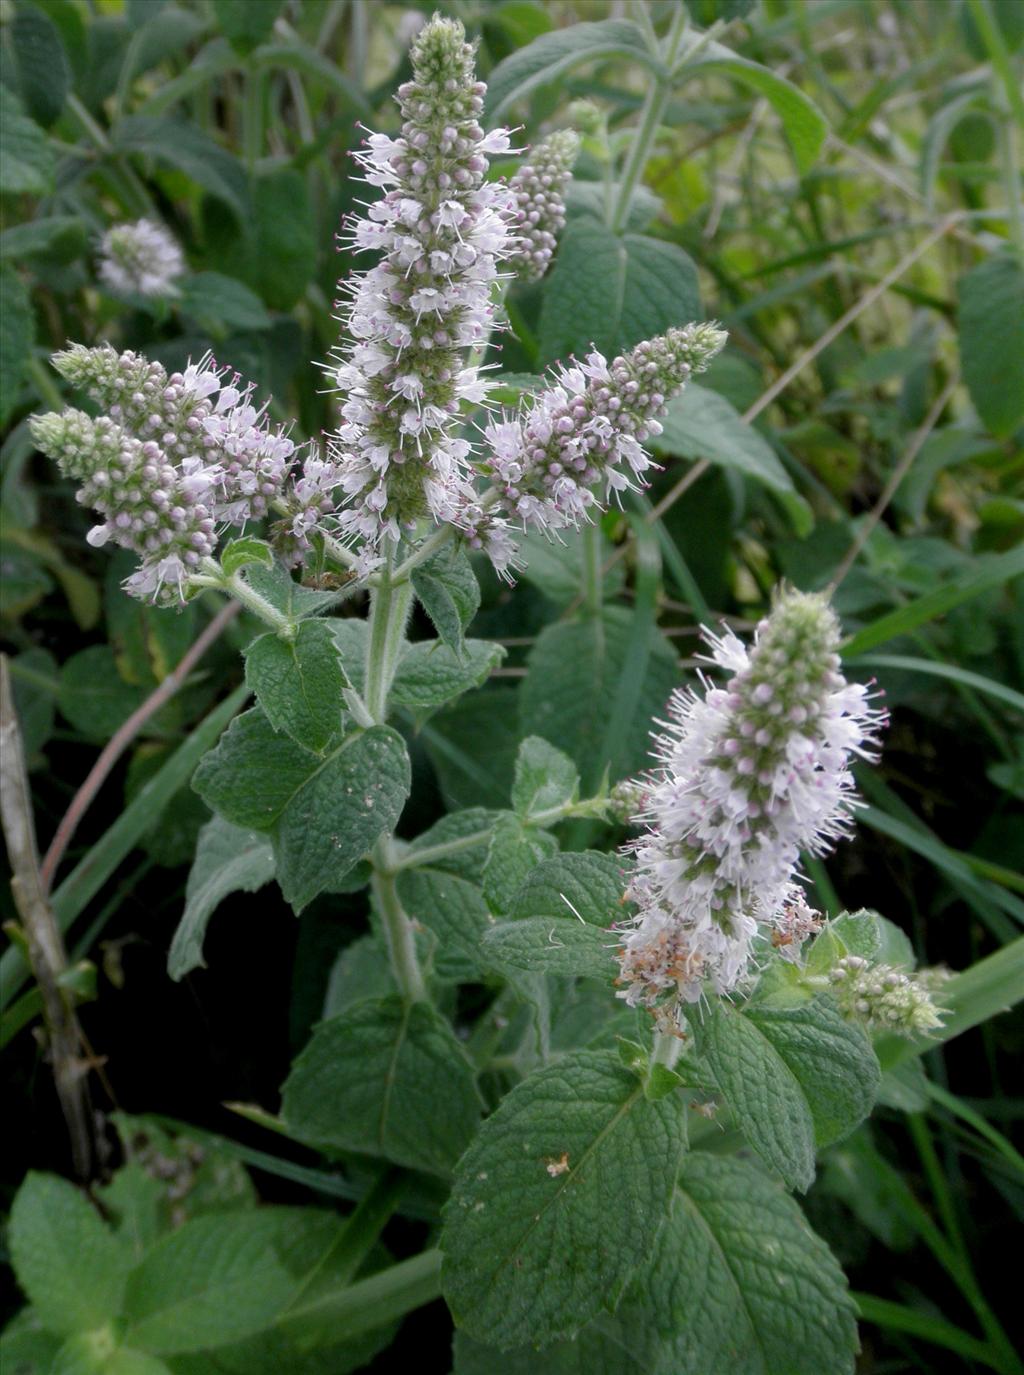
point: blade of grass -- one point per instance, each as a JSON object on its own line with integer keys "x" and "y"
{"x": 896, "y": 1317}
{"x": 995, "y": 571}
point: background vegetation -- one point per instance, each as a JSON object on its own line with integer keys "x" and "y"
{"x": 862, "y": 429}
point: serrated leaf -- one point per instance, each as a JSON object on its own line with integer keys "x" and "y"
{"x": 561, "y": 918}
{"x": 514, "y": 851}
{"x": 299, "y": 683}
{"x": 699, "y": 423}
{"x": 991, "y": 298}
{"x": 547, "y": 57}
{"x": 767, "y": 1101}
{"x": 26, "y": 162}
{"x": 242, "y": 553}
{"x": 612, "y": 292}
{"x": 361, "y": 971}
{"x": 740, "y": 1283}
{"x": 253, "y": 772}
{"x": 795, "y": 1077}
{"x": 472, "y": 826}
{"x": 215, "y": 1280}
{"x": 831, "y": 1059}
{"x": 574, "y": 672}
{"x": 454, "y": 910}
{"x": 805, "y": 125}
{"x": 354, "y": 796}
{"x": 228, "y": 860}
{"x": 326, "y": 812}
{"x": 553, "y": 1202}
{"x": 430, "y": 673}
{"x": 66, "y": 1259}
{"x": 545, "y": 778}
{"x": 560, "y": 945}
{"x": 93, "y": 696}
{"x": 613, "y": 1344}
{"x": 385, "y": 1078}
{"x": 449, "y": 593}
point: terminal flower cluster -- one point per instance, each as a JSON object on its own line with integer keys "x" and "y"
{"x": 750, "y": 774}
{"x": 417, "y": 318}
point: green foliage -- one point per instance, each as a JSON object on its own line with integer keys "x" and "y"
{"x": 572, "y": 1157}
{"x": 841, "y": 190}
{"x": 385, "y": 1078}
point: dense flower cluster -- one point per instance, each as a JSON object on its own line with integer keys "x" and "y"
{"x": 172, "y": 458}
{"x": 415, "y": 317}
{"x": 142, "y": 258}
{"x": 539, "y": 186}
{"x": 582, "y": 440}
{"x": 885, "y": 998}
{"x": 750, "y": 775}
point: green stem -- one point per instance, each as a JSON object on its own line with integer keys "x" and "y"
{"x": 650, "y": 119}
{"x": 236, "y": 586}
{"x": 992, "y": 37}
{"x": 252, "y": 117}
{"x": 667, "y": 1049}
{"x": 132, "y": 187}
{"x": 390, "y": 604}
{"x": 398, "y": 929}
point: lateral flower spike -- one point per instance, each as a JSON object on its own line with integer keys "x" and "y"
{"x": 415, "y": 317}
{"x": 582, "y": 441}
{"x": 749, "y": 775}
{"x": 539, "y": 184}
{"x": 884, "y": 998}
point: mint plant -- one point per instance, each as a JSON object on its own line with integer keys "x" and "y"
{"x": 597, "y": 1037}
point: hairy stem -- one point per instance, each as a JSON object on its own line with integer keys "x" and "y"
{"x": 398, "y": 929}
{"x": 389, "y": 611}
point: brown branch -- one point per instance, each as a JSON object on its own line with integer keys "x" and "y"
{"x": 46, "y": 953}
{"x": 124, "y": 736}
{"x": 898, "y": 474}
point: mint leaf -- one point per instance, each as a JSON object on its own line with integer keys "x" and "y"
{"x": 449, "y": 593}
{"x": 253, "y": 772}
{"x": 430, "y": 673}
{"x": 326, "y": 813}
{"x": 765, "y": 1097}
{"x": 215, "y": 1280}
{"x": 613, "y": 1344}
{"x": 831, "y": 1060}
{"x": 514, "y": 852}
{"x": 613, "y": 291}
{"x": 562, "y": 913}
{"x": 740, "y": 1283}
{"x": 299, "y": 683}
{"x": 69, "y": 1263}
{"x": 361, "y": 971}
{"x": 455, "y": 912}
{"x": 795, "y": 1078}
{"x": 473, "y": 825}
{"x": 351, "y": 799}
{"x": 228, "y": 859}
{"x": 385, "y": 1078}
{"x": 545, "y": 778}
{"x": 585, "y": 885}
{"x": 244, "y": 552}
{"x": 26, "y": 162}
{"x": 556, "y": 1200}
{"x": 991, "y": 298}
{"x": 699, "y": 423}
